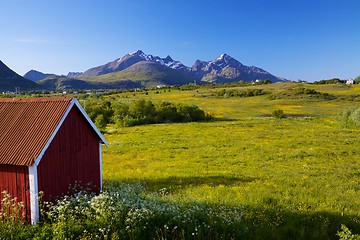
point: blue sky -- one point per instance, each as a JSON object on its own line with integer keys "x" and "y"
{"x": 296, "y": 39}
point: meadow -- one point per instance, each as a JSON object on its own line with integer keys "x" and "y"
{"x": 305, "y": 164}
{"x": 242, "y": 175}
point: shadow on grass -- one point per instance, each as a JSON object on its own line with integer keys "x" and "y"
{"x": 183, "y": 182}
{"x": 222, "y": 119}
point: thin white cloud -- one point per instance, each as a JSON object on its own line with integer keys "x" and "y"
{"x": 31, "y": 40}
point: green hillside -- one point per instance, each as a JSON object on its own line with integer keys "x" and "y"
{"x": 140, "y": 75}
{"x": 143, "y": 74}
{"x": 63, "y": 83}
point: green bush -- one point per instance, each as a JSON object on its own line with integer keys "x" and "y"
{"x": 100, "y": 112}
{"x": 100, "y": 121}
{"x": 239, "y": 93}
{"x": 139, "y": 112}
{"x": 142, "y": 109}
{"x": 278, "y": 113}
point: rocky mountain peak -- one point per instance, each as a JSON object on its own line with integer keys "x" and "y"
{"x": 138, "y": 52}
{"x": 222, "y": 69}
{"x": 225, "y": 59}
{"x": 5, "y": 71}
{"x": 168, "y": 59}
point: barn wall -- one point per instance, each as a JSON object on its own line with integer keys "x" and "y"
{"x": 15, "y": 181}
{"x": 73, "y": 156}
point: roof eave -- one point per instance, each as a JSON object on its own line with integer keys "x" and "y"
{"x": 102, "y": 138}
{"x": 73, "y": 103}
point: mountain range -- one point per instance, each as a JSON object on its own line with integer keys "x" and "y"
{"x": 138, "y": 70}
{"x": 222, "y": 69}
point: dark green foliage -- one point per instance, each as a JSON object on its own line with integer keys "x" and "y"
{"x": 240, "y": 93}
{"x": 278, "y": 113}
{"x": 190, "y": 113}
{"x": 330, "y": 81}
{"x": 100, "y": 121}
{"x": 357, "y": 80}
{"x": 140, "y": 112}
{"x": 142, "y": 109}
{"x": 99, "y": 111}
{"x": 188, "y": 87}
{"x": 121, "y": 110}
{"x": 300, "y": 93}
{"x": 306, "y": 91}
{"x": 267, "y": 81}
{"x": 145, "y": 112}
{"x": 167, "y": 111}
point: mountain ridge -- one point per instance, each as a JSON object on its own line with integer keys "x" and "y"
{"x": 146, "y": 70}
{"x": 10, "y": 81}
{"x": 35, "y": 76}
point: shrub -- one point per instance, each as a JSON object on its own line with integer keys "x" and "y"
{"x": 167, "y": 112}
{"x": 94, "y": 108}
{"x": 100, "y": 121}
{"x": 278, "y": 113}
{"x": 190, "y": 113}
{"x": 141, "y": 109}
{"x": 139, "y": 112}
{"x": 239, "y": 93}
{"x": 146, "y": 112}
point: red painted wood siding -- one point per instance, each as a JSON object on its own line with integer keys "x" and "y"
{"x": 73, "y": 156}
{"x": 15, "y": 181}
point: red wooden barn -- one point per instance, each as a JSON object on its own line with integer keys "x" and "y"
{"x": 47, "y": 144}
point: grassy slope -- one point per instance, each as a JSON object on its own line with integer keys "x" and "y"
{"x": 144, "y": 73}
{"x": 299, "y": 165}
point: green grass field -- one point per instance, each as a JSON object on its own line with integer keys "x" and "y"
{"x": 303, "y": 164}
{"x": 242, "y": 175}
{"x": 291, "y": 163}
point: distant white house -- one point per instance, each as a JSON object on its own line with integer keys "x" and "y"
{"x": 350, "y": 81}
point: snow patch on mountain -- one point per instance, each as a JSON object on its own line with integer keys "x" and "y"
{"x": 222, "y": 69}
{"x": 168, "y": 61}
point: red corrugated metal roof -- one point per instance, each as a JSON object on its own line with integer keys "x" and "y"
{"x": 26, "y": 125}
